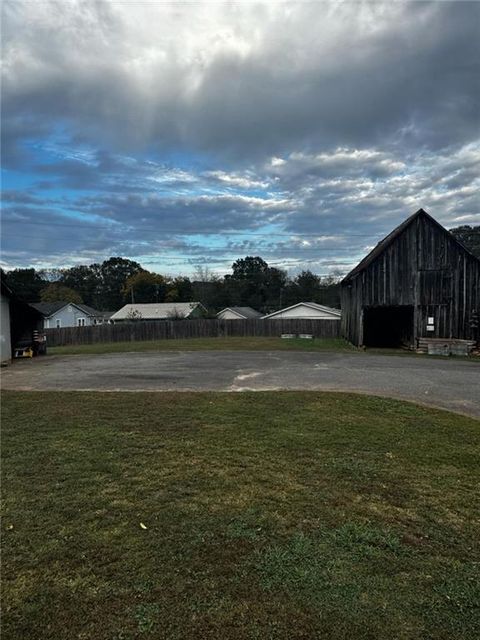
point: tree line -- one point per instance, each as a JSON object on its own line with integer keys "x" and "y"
{"x": 252, "y": 282}
{"x": 117, "y": 281}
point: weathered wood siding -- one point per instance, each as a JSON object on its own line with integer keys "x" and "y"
{"x": 423, "y": 267}
{"x": 164, "y": 330}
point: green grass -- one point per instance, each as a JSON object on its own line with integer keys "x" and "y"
{"x": 209, "y": 344}
{"x": 267, "y": 516}
{"x": 233, "y": 344}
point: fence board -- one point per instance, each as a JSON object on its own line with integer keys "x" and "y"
{"x": 198, "y": 328}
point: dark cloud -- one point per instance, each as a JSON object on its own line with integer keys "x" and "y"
{"x": 145, "y": 125}
{"x": 311, "y": 75}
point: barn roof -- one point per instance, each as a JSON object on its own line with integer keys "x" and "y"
{"x": 387, "y": 241}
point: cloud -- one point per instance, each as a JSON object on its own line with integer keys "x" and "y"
{"x": 321, "y": 210}
{"x": 301, "y": 75}
{"x": 155, "y": 129}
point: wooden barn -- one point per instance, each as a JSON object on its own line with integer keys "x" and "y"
{"x": 418, "y": 282}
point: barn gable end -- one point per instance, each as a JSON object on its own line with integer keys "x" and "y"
{"x": 417, "y": 282}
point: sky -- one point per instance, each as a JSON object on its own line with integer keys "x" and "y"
{"x": 185, "y": 135}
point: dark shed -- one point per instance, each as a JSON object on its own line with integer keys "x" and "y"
{"x": 21, "y": 320}
{"x": 418, "y": 282}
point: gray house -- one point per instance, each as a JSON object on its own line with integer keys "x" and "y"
{"x": 238, "y": 313}
{"x": 68, "y": 314}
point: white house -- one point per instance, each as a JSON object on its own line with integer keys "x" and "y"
{"x": 68, "y": 314}
{"x": 238, "y": 313}
{"x": 306, "y": 311}
{"x": 159, "y": 311}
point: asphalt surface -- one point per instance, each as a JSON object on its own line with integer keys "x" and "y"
{"x": 450, "y": 384}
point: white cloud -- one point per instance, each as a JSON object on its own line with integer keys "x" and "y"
{"x": 326, "y": 122}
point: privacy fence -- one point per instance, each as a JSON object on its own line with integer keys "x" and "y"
{"x": 166, "y": 330}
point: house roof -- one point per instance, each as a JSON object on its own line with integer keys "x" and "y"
{"x": 48, "y": 309}
{"x": 244, "y": 312}
{"x": 387, "y": 241}
{"x": 312, "y": 305}
{"x": 157, "y": 311}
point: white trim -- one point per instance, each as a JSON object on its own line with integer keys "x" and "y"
{"x": 233, "y": 311}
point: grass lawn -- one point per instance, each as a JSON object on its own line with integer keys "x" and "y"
{"x": 208, "y": 344}
{"x": 233, "y": 344}
{"x": 249, "y": 516}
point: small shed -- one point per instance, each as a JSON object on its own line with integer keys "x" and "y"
{"x": 418, "y": 282}
{"x": 18, "y": 322}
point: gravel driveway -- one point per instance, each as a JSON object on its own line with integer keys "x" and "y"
{"x": 451, "y": 384}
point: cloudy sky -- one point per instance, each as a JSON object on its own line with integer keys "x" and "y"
{"x": 186, "y": 134}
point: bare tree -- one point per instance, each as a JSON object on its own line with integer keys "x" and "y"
{"x": 134, "y": 314}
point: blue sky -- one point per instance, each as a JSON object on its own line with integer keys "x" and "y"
{"x": 188, "y": 135}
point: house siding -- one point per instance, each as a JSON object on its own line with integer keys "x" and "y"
{"x": 68, "y": 317}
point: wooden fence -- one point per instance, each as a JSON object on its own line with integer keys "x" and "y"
{"x": 165, "y": 330}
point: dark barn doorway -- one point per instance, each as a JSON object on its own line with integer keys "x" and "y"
{"x": 388, "y": 326}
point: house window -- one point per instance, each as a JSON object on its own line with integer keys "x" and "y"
{"x": 58, "y": 323}
{"x": 81, "y": 322}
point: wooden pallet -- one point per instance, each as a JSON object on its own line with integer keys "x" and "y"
{"x": 445, "y": 346}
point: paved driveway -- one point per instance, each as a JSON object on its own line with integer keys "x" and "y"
{"x": 451, "y": 384}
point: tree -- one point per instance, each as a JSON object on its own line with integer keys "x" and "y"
{"x": 26, "y": 284}
{"x": 274, "y": 284}
{"x": 308, "y": 286}
{"x": 249, "y": 268}
{"x": 469, "y": 237}
{"x": 255, "y": 284}
{"x": 56, "y": 292}
{"x": 84, "y": 279}
{"x": 145, "y": 287}
{"x": 176, "y": 314}
{"x": 179, "y": 290}
{"x": 114, "y": 273}
{"x": 329, "y": 293}
{"x": 207, "y": 288}
{"x": 134, "y": 314}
